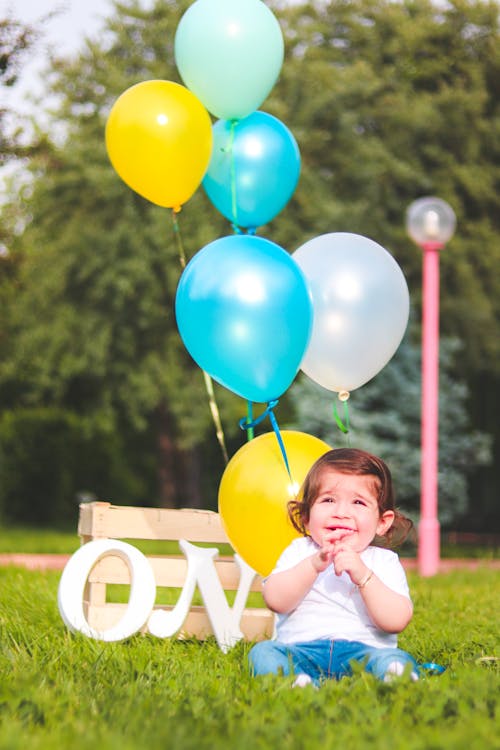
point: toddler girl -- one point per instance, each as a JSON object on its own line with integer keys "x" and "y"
{"x": 338, "y": 597}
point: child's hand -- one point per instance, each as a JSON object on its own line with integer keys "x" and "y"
{"x": 348, "y": 560}
{"x": 325, "y": 556}
{"x": 322, "y": 559}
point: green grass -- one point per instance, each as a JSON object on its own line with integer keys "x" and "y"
{"x": 40, "y": 540}
{"x": 59, "y": 690}
{"x": 29, "y": 540}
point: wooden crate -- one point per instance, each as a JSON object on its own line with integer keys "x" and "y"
{"x": 99, "y": 520}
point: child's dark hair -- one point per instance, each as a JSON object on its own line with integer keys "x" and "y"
{"x": 351, "y": 461}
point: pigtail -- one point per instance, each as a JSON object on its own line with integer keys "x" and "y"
{"x": 295, "y": 510}
{"x": 401, "y": 530}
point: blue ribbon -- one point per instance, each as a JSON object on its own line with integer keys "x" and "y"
{"x": 432, "y": 667}
{"x": 280, "y": 442}
{"x": 246, "y": 425}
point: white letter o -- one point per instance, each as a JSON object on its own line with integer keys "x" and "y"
{"x": 75, "y": 575}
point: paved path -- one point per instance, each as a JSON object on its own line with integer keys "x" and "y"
{"x": 455, "y": 563}
{"x": 34, "y": 562}
{"x": 57, "y": 562}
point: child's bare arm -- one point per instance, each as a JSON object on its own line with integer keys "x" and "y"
{"x": 388, "y": 610}
{"x": 284, "y": 590}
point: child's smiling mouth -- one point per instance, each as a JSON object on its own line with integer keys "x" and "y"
{"x": 341, "y": 528}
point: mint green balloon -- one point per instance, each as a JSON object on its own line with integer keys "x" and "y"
{"x": 229, "y": 54}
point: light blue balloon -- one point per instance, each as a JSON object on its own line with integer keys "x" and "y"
{"x": 229, "y": 53}
{"x": 245, "y": 315}
{"x": 254, "y": 169}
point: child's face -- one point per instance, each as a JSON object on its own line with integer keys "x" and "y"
{"x": 347, "y": 508}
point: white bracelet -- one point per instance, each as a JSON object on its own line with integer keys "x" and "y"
{"x": 365, "y": 580}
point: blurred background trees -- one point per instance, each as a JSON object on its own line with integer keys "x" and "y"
{"x": 388, "y": 102}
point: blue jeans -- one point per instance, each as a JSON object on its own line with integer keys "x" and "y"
{"x": 325, "y": 659}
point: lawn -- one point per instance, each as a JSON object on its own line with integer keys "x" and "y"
{"x": 41, "y": 540}
{"x": 59, "y": 690}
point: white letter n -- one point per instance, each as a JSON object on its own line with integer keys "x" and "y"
{"x": 225, "y": 620}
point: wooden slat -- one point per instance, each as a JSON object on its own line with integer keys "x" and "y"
{"x": 94, "y": 593}
{"x": 100, "y": 520}
{"x": 168, "y": 571}
{"x": 256, "y": 624}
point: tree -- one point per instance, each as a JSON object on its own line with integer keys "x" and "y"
{"x": 389, "y": 102}
{"x": 382, "y": 115}
{"x": 16, "y": 40}
{"x": 93, "y": 327}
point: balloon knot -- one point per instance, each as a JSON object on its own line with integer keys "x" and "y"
{"x": 245, "y": 424}
{"x": 344, "y": 395}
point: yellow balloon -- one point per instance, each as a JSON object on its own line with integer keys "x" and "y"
{"x": 254, "y": 492}
{"x": 159, "y": 140}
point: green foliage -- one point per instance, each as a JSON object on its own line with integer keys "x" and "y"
{"x": 391, "y": 101}
{"x": 16, "y": 40}
{"x": 51, "y": 459}
{"x": 388, "y": 101}
{"x": 383, "y": 114}
{"x": 385, "y": 420}
{"x": 61, "y": 690}
{"x": 91, "y": 328}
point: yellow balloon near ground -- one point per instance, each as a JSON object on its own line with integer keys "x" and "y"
{"x": 255, "y": 490}
{"x": 159, "y": 140}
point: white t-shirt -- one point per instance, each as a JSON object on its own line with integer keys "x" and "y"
{"x": 333, "y": 608}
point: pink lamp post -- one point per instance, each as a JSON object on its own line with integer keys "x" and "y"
{"x": 430, "y": 222}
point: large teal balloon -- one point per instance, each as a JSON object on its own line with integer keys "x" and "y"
{"x": 229, "y": 53}
{"x": 244, "y": 314}
{"x": 253, "y": 170}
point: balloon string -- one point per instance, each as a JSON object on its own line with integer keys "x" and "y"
{"x": 250, "y": 432}
{"x": 234, "y": 205}
{"x": 178, "y": 238}
{"x": 246, "y": 425}
{"x": 215, "y": 415}
{"x": 344, "y": 426}
{"x": 214, "y": 409}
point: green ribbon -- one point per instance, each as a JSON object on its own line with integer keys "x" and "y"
{"x": 343, "y": 426}
{"x": 249, "y": 422}
{"x": 178, "y": 239}
{"x": 234, "y": 204}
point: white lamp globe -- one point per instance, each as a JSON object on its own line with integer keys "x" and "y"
{"x": 430, "y": 219}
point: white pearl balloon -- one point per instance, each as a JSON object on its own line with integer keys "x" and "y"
{"x": 361, "y": 306}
